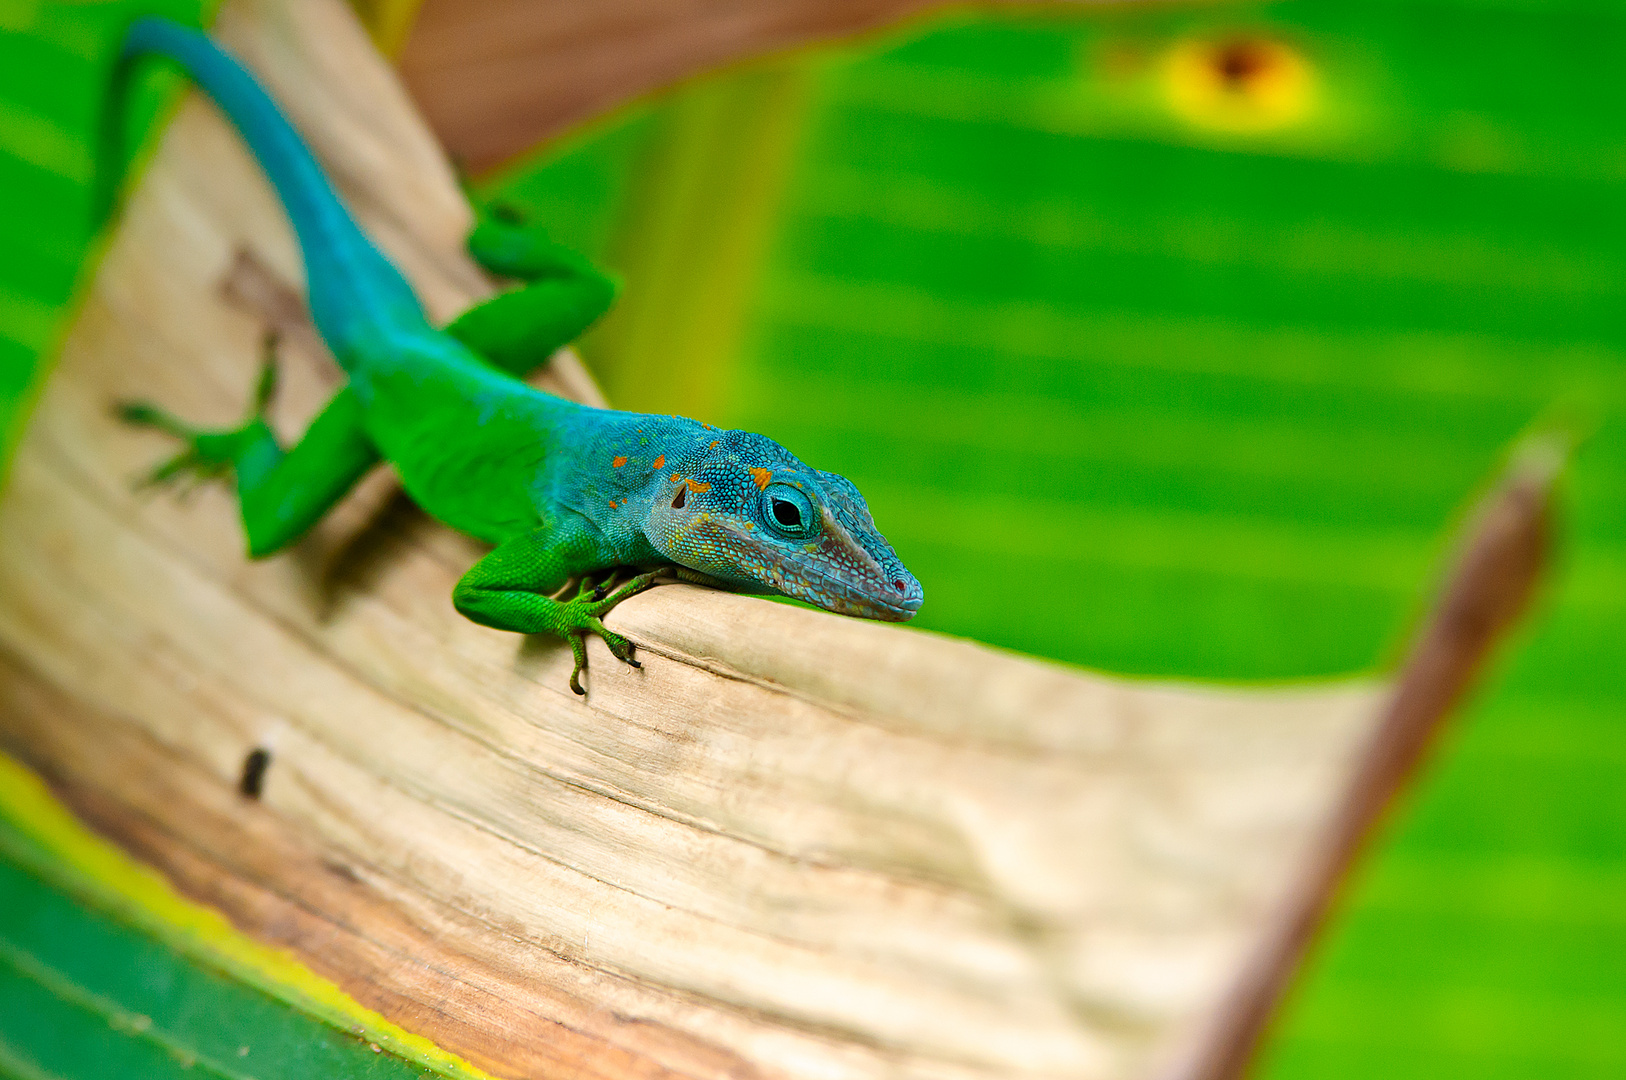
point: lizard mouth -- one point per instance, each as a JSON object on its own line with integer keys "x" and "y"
{"x": 836, "y": 574}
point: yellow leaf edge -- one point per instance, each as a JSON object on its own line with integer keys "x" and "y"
{"x": 59, "y": 849}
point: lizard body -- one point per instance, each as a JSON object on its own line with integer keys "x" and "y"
{"x": 563, "y": 491}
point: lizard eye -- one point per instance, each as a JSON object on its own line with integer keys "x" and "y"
{"x": 789, "y": 512}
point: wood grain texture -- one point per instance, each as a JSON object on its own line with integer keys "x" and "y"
{"x": 792, "y": 845}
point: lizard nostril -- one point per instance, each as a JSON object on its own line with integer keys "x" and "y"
{"x": 902, "y": 587}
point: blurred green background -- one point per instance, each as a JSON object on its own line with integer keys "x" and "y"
{"x": 1194, "y": 328}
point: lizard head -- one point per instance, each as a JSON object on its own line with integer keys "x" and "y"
{"x": 746, "y": 511}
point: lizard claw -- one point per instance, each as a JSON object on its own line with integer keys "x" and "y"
{"x": 578, "y": 651}
{"x": 619, "y": 647}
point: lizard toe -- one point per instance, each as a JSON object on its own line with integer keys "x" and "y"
{"x": 578, "y": 652}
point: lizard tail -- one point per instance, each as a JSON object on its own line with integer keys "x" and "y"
{"x": 353, "y": 289}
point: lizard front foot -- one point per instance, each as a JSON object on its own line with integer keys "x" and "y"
{"x": 583, "y": 615}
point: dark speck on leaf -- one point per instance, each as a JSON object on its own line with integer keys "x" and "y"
{"x": 254, "y": 766}
{"x": 1240, "y": 61}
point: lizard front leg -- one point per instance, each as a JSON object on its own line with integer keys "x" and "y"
{"x": 510, "y": 589}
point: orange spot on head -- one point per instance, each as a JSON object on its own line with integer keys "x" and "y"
{"x": 698, "y": 486}
{"x": 618, "y": 462}
{"x": 715, "y": 445}
{"x": 761, "y": 476}
{"x": 674, "y": 478}
{"x": 612, "y": 504}
{"x": 658, "y": 462}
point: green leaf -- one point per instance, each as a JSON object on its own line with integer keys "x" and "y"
{"x": 106, "y": 971}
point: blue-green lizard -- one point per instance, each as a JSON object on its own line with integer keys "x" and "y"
{"x": 567, "y": 494}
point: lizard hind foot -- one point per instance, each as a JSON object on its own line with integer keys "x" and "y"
{"x": 204, "y": 455}
{"x": 210, "y": 452}
{"x": 207, "y": 454}
{"x": 188, "y": 468}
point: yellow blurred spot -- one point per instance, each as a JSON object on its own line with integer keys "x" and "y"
{"x": 1242, "y": 84}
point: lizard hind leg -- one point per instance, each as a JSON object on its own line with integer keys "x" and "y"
{"x": 208, "y": 454}
{"x": 281, "y": 493}
{"x": 517, "y": 331}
